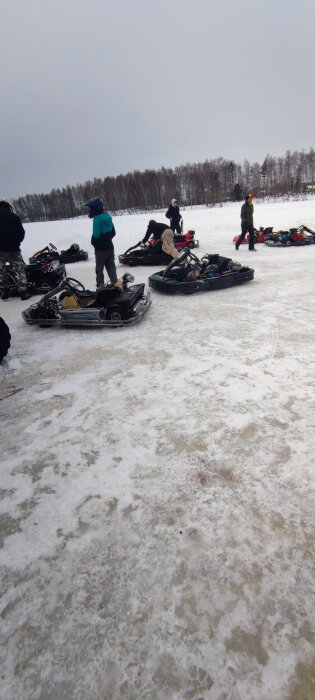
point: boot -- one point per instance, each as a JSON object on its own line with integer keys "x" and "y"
{"x": 25, "y": 295}
{"x": 5, "y": 295}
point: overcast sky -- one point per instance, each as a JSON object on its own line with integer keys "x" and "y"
{"x": 98, "y": 88}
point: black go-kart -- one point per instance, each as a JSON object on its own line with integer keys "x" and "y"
{"x": 152, "y": 253}
{"x": 71, "y": 255}
{"x": 188, "y": 274}
{"x": 41, "y": 277}
{"x": 293, "y": 237}
{"x": 5, "y": 339}
{"x": 70, "y": 304}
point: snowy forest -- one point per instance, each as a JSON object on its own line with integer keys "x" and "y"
{"x": 207, "y": 183}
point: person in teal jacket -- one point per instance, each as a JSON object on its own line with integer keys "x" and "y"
{"x": 102, "y": 241}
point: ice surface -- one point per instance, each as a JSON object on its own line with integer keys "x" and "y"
{"x": 157, "y": 483}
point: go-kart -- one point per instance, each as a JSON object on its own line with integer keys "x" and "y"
{"x": 259, "y": 235}
{"x": 72, "y": 254}
{"x": 189, "y": 274}
{"x": 70, "y": 304}
{"x": 152, "y": 254}
{"x": 5, "y": 339}
{"x": 49, "y": 252}
{"x": 293, "y": 237}
{"x": 41, "y": 276}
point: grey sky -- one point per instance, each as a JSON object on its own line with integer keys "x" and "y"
{"x": 99, "y": 88}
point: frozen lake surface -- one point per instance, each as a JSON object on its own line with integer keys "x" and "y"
{"x": 157, "y": 483}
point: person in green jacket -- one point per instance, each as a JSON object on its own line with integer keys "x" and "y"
{"x": 247, "y": 223}
{"x": 103, "y": 233}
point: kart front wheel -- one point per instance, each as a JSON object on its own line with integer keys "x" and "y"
{"x": 115, "y": 313}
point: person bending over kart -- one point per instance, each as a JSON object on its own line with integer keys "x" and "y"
{"x": 174, "y": 216}
{"x": 161, "y": 232}
{"x": 103, "y": 233}
{"x": 11, "y": 236}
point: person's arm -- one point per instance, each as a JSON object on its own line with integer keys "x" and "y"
{"x": 147, "y": 235}
{"x": 20, "y": 231}
{"x": 168, "y": 214}
{"x": 96, "y": 227}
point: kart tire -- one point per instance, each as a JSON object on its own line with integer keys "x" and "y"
{"x": 5, "y": 339}
{"x": 114, "y": 312}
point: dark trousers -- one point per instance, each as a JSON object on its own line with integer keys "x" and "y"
{"x": 175, "y": 226}
{"x": 251, "y": 242}
{"x": 105, "y": 258}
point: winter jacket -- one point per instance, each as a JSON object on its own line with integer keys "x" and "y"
{"x": 155, "y": 230}
{"x": 247, "y": 214}
{"x": 11, "y": 230}
{"x": 173, "y": 214}
{"x": 103, "y": 231}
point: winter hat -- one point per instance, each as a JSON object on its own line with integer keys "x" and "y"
{"x": 249, "y": 196}
{"x": 174, "y": 202}
{"x": 152, "y": 221}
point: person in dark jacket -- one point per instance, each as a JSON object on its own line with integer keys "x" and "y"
{"x": 102, "y": 241}
{"x": 161, "y": 232}
{"x": 11, "y": 236}
{"x": 247, "y": 223}
{"x": 174, "y": 215}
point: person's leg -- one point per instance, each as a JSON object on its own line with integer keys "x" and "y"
{"x": 168, "y": 243}
{"x": 251, "y": 243}
{"x": 3, "y": 276}
{"x": 177, "y": 227}
{"x": 19, "y": 268}
{"x": 110, "y": 266}
{"x": 241, "y": 237}
{"x": 99, "y": 267}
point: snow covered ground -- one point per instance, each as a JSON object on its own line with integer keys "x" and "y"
{"x": 157, "y": 484}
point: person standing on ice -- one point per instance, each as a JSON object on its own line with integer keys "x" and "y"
{"x": 11, "y": 236}
{"x": 161, "y": 232}
{"x": 247, "y": 222}
{"x": 103, "y": 233}
{"x": 174, "y": 215}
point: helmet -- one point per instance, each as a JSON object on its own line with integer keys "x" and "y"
{"x": 152, "y": 221}
{"x": 96, "y": 206}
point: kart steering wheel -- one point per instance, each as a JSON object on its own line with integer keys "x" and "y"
{"x": 73, "y": 284}
{"x": 185, "y": 253}
{"x": 53, "y": 246}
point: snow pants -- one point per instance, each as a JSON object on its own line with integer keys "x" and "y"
{"x": 175, "y": 226}
{"x": 168, "y": 247}
{"x": 18, "y": 266}
{"x": 105, "y": 258}
{"x": 251, "y": 242}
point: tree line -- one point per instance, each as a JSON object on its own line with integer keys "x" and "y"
{"x": 207, "y": 183}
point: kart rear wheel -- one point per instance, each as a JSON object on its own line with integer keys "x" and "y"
{"x": 5, "y": 339}
{"x": 114, "y": 312}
